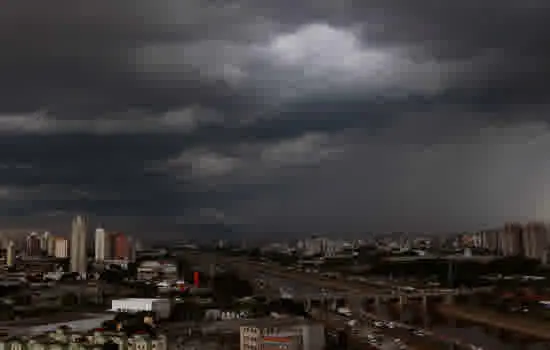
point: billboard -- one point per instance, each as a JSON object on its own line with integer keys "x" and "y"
{"x": 277, "y": 343}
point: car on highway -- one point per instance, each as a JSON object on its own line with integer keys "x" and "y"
{"x": 400, "y": 344}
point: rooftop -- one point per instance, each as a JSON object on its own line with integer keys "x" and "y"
{"x": 77, "y": 325}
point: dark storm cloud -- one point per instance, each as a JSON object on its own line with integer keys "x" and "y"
{"x": 74, "y": 57}
{"x": 253, "y": 108}
{"x": 89, "y": 173}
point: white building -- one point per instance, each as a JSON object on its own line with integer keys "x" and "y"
{"x": 61, "y": 249}
{"x": 10, "y": 254}
{"x": 79, "y": 259}
{"x": 295, "y": 334}
{"x": 161, "y": 307}
{"x": 102, "y": 245}
{"x": 321, "y": 246}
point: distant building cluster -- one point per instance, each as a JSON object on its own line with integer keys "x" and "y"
{"x": 313, "y": 246}
{"x": 117, "y": 248}
{"x": 113, "y": 246}
{"x": 531, "y": 240}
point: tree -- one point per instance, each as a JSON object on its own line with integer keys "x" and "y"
{"x": 228, "y": 286}
{"x": 69, "y": 299}
{"x": 131, "y": 270}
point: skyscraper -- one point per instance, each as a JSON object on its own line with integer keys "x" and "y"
{"x": 33, "y": 245}
{"x": 10, "y": 254}
{"x": 44, "y": 241}
{"x": 47, "y": 244}
{"x": 61, "y": 247}
{"x": 79, "y": 261}
{"x": 535, "y": 240}
{"x": 511, "y": 240}
{"x": 122, "y": 246}
{"x": 102, "y": 245}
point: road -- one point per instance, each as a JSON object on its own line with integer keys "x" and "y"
{"x": 528, "y": 327}
{"x": 259, "y": 268}
{"x": 396, "y": 334}
{"x": 402, "y": 331}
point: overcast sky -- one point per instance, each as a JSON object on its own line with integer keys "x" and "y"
{"x": 276, "y": 115}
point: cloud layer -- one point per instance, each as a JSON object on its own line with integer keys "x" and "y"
{"x": 320, "y": 116}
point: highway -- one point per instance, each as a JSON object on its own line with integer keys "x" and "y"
{"x": 391, "y": 332}
{"x": 405, "y": 331}
{"x": 539, "y": 330}
{"x": 248, "y": 267}
{"x": 402, "y": 331}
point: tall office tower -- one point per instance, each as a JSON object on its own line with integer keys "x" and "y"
{"x": 79, "y": 261}
{"x": 61, "y": 249}
{"x": 102, "y": 245}
{"x": 33, "y": 245}
{"x": 10, "y": 254}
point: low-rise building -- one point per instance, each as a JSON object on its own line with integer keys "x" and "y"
{"x": 292, "y": 333}
{"x": 157, "y": 270}
{"x": 61, "y": 247}
{"x": 161, "y": 307}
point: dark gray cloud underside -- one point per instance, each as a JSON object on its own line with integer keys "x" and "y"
{"x": 364, "y": 154}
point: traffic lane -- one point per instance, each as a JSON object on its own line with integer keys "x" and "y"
{"x": 414, "y": 341}
{"x": 427, "y": 334}
{"x": 388, "y": 333}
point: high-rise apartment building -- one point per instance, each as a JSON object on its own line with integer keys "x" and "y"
{"x": 61, "y": 249}
{"x": 102, "y": 245}
{"x": 490, "y": 240}
{"x": 32, "y": 247}
{"x": 511, "y": 240}
{"x": 535, "y": 240}
{"x": 79, "y": 260}
{"x": 44, "y": 241}
{"x": 47, "y": 244}
{"x": 122, "y": 246}
{"x": 10, "y": 254}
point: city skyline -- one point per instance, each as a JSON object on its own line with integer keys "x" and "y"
{"x": 266, "y": 116}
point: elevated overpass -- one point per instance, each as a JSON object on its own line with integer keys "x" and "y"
{"x": 357, "y": 293}
{"x": 271, "y": 280}
{"x": 492, "y": 319}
